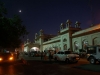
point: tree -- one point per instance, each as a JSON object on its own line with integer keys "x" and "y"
{"x": 11, "y": 30}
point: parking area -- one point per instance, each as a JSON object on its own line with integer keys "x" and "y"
{"x": 82, "y": 64}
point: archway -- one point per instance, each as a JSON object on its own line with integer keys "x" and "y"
{"x": 34, "y": 49}
{"x": 76, "y": 46}
{"x": 96, "y": 41}
{"x": 84, "y": 44}
{"x": 65, "y": 47}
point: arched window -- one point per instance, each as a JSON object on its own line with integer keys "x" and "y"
{"x": 96, "y": 41}
{"x": 64, "y": 40}
{"x": 84, "y": 44}
{"x": 76, "y": 45}
{"x": 65, "y": 47}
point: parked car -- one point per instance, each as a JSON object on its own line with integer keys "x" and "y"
{"x": 93, "y": 54}
{"x": 66, "y": 56}
{"x": 7, "y": 57}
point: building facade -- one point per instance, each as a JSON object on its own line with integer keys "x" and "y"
{"x": 73, "y": 38}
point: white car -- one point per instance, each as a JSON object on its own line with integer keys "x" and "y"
{"x": 66, "y": 56}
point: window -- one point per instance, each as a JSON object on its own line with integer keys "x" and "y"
{"x": 85, "y": 44}
{"x": 62, "y": 52}
{"x": 58, "y": 53}
{"x": 76, "y": 45}
{"x": 99, "y": 49}
{"x": 67, "y": 52}
{"x": 65, "y": 47}
{"x": 91, "y": 50}
{"x": 64, "y": 40}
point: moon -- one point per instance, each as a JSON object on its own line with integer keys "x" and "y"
{"x": 20, "y": 11}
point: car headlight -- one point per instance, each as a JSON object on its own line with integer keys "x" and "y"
{"x": 11, "y": 58}
{"x": 0, "y": 59}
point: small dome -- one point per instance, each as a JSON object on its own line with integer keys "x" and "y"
{"x": 41, "y": 30}
{"x": 62, "y": 24}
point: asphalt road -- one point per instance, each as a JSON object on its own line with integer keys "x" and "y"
{"x": 11, "y": 69}
{"x": 60, "y": 68}
{"x": 82, "y": 64}
{"x": 41, "y": 67}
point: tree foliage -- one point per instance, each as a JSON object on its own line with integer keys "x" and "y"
{"x": 11, "y": 29}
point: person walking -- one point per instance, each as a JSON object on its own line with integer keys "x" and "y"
{"x": 50, "y": 56}
{"x": 17, "y": 54}
{"x": 41, "y": 55}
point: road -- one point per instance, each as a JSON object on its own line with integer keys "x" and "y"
{"x": 41, "y": 67}
{"x": 61, "y": 68}
{"x": 9, "y": 69}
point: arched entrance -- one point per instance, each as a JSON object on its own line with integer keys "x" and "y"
{"x": 31, "y": 47}
{"x": 84, "y": 44}
{"x": 34, "y": 49}
{"x": 96, "y": 41}
{"x": 65, "y": 44}
{"x": 76, "y": 46}
{"x": 65, "y": 47}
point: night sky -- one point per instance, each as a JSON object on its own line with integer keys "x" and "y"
{"x": 49, "y": 14}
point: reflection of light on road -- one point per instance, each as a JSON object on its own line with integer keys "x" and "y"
{"x": 11, "y": 70}
{"x": 0, "y": 70}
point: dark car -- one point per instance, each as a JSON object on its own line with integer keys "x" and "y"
{"x": 6, "y": 57}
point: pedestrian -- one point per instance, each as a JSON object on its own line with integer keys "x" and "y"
{"x": 17, "y": 54}
{"x": 41, "y": 55}
{"x": 50, "y": 56}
